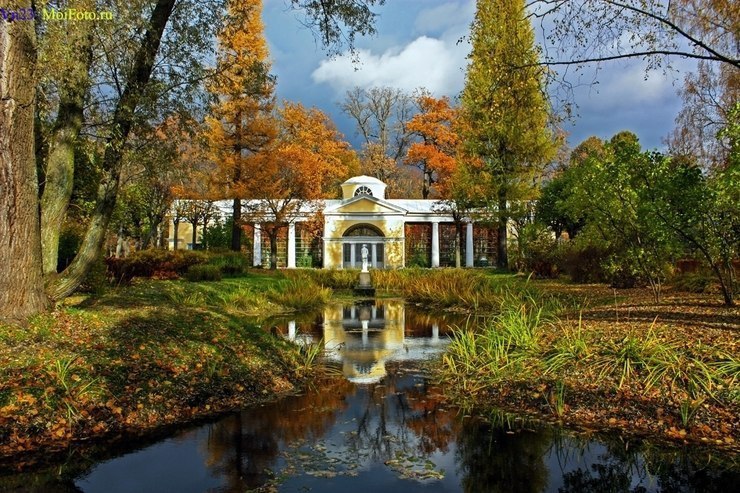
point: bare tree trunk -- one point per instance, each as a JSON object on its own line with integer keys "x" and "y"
{"x": 21, "y": 280}
{"x": 59, "y": 176}
{"x": 503, "y": 233}
{"x": 175, "y": 229}
{"x": 458, "y": 244}
{"x": 195, "y": 234}
{"x": 123, "y": 118}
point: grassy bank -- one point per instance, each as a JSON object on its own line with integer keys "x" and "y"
{"x": 618, "y": 360}
{"x": 143, "y": 356}
{"x": 158, "y": 353}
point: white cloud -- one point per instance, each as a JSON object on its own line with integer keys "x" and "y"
{"x": 426, "y": 62}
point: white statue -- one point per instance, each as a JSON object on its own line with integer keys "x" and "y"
{"x": 364, "y": 253}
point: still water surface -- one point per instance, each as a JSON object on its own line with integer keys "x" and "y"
{"x": 382, "y": 428}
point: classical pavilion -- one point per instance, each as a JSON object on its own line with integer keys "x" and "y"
{"x": 397, "y": 232}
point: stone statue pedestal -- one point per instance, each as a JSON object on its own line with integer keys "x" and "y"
{"x": 365, "y": 287}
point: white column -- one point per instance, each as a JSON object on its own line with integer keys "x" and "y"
{"x": 352, "y": 256}
{"x": 291, "y": 330}
{"x": 435, "y": 333}
{"x": 291, "y": 245}
{"x": 257, "y": 245}
{"x": 435, "y": 244}
{"x": 469, "y": 245}
{"x": 374, "y": 256}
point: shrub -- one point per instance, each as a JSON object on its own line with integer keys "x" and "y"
{"x": 694, "y": 282}
{"x": 582, "y": 260}
{"x": 203, "y": 272}
{"x": 230, "y": 262}
{"x": 153, "y": 263}
{"x": 537, "y": 251}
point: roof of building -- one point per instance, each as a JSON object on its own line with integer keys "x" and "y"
{"x": 363, "y": 179}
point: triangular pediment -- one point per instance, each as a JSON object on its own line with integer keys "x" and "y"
{"x": 365, "y": 205}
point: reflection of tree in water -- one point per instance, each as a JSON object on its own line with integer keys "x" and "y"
{"x": 243, "y": 448}
{"x": 434, "y": 425}
{"x": 399, "y": 418}
{"x": 490, "y": 460}
{"x": 670, "y": 470}
{"x": 682, "y": 473}
{"x": 609, "y": 476}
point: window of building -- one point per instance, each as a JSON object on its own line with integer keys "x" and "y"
{"x": 363, "y": 190}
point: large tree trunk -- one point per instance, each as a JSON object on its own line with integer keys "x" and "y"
{"x": 136, "y": 82}
{"x": 236, "y": 223}
{"x": 236, "y": 227}
{"x": 273, "y": 247}
{"x": 21, "y": 281}
{"x": 59, "y": 176}
{"x": 195, "y": 234}
{"x": 503, "y": 233}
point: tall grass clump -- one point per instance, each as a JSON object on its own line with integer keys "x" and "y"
{"x": 300, "y": 295}
{"x": 505, "y": 347}
{"x": 625, "y": 358}
{"x": 327, "y": 278}
{"x": 569, "y": 350}
{"x": 450, "y": 288}
{"x": 246, "y": 299}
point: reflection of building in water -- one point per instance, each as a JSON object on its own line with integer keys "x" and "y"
{"x": 363, "y": 337}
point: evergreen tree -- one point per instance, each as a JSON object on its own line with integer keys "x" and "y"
{"x": 241, "y": 122}
{"x": 507, "y": 109}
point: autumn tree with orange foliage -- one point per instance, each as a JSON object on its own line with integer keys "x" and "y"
{"x": 241, "y": 123}
{"x": 435, "y": 154}
{"x": 304, "y": 163}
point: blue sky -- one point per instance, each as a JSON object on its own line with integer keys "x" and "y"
{"x": 417, "y": 46}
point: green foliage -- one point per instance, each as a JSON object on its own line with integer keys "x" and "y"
{"x": 153, "y": 263}
{"x": 551, "y": 209}
{"x": 609, "y": 190}
{"x": 642, "y": 211}
{"x": 218, "y": 234}
{"x": 418, "y": 259}
{"x": 203, "y": 272}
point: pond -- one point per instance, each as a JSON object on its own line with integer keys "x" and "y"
{"x": 383, "y": 427}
